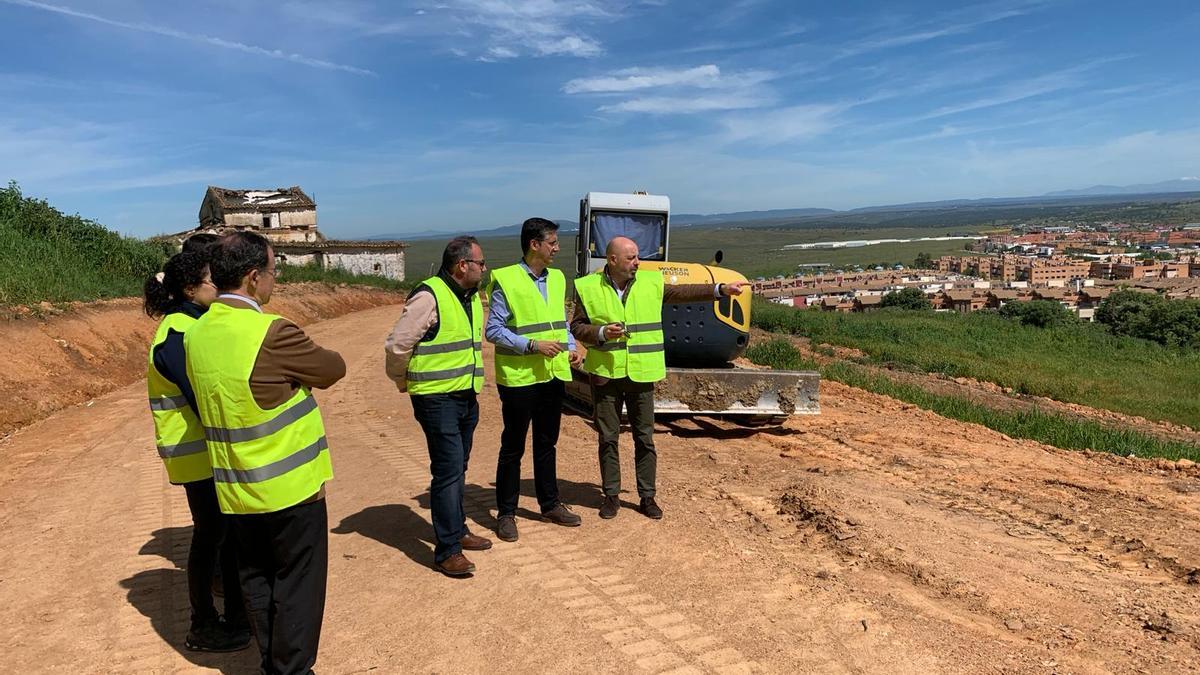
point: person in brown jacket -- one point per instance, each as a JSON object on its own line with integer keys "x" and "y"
{"x": 282, "y": 552}
{"x": 609, "y": 395}
{"x": 448, "y": 417}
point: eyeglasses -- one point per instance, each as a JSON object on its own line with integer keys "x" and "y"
{"x": 481, "y": 263}
{"x": 274, "y": 273}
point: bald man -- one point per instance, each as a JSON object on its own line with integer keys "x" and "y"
{"x": 618, "y": 315}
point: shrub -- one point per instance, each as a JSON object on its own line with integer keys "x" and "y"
{"x": 51, "y": 256}
{"x": 1175, "y": 323}
{"x": 908, "y": 298}
{"x": 1038, "y": 313}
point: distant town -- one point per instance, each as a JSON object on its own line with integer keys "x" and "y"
{"x": 1077, "y": 265}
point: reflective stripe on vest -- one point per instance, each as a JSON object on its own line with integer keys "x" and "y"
{"x": 178, "y": 434}
{"x": 536, "y": 318}
{"x": 639, "y": 357}
{"x": 453, "y": 360}
{"x": 263, "y": 460}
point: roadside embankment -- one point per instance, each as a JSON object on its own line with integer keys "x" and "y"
{"x": 57, "y": 359}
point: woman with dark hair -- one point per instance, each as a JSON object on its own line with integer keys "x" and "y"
{"x": 180, "y": 294}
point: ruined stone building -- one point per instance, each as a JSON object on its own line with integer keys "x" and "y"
{"x": 288, "y": 218}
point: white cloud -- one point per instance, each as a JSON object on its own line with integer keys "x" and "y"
{"x": 525, "y": 27}
{"x": 502, "y": 53}
{"x": 631, "y": 79}
{"x": 678, "y": 90}
{"x": 794, "y": 123}
{"x": 676, "y": 105}
{"x": 192, "y": 37}
{"x": 570, "y": 45}
{"x": 953, "y": 23}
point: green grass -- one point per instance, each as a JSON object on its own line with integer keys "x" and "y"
{"x": 1051, "y": 429}
{"x": 753, "y": 252}
{"x": 50, "y": 256}
{"x": 1079, "y": 363}
{"x": 310, "y": 272}
{"x": 780, "y": 355}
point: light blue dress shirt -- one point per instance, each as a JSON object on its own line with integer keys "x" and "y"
{"x": 496, "y": 329}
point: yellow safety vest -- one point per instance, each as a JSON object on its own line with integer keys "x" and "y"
{"x": 536, "y": 318}
{"x": 178, "y": 433}
{"x": 640, "y": 357}
{"x": 453, "y": 360}
{"x": 263, "y": 460}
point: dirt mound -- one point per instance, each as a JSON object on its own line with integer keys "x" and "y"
{"x": 60, "y": 360}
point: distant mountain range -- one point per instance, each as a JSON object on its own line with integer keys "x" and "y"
{"x": 699, "y": 219}
{"x": 1187, "y": 184}
{"x": 565, "y": 227}
{"x": 1092, "y": 195}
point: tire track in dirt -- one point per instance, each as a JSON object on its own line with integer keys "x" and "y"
{"x": 654, "y": 635}
{"x": 1096, "y": 532}
{"x": 1014, "y": 509}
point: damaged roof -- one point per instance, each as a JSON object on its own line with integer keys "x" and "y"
{"x": 256, "y": 200}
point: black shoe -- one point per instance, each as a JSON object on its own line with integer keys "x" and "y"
{"x": 506, "y": 528}
{"x": 217, "y": 636}
{"x": 562, "y": 515}
{"x": 650, "y": 509}
{"x": 611, "y": 505}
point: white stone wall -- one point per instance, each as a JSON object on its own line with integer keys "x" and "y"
{"x": 389, "y": 264}
{"x": 298, "y": 259}
{"x": 298, "y": 218}
{"x": 279, "y": 219}
{"x": 383, "y": 263}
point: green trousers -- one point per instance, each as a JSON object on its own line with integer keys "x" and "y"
{"x": 638, "y": 400}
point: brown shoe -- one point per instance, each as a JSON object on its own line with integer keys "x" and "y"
{"x": 456, "y": 565}
{"x": 471, "y": 542}
{"x": 562, "y": 515}
{"x": 610, "y": 506}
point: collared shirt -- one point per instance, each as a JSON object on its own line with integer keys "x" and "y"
{"x": 244, "y": 298}
{"x": 418, "y": 321}
{"x": 497, "y": 330}
{"x": 622, "y": 291}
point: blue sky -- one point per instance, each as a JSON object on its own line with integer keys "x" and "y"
{"x": 464, "y": 115}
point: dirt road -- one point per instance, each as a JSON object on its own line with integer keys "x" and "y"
{"x": 874, "y": 538}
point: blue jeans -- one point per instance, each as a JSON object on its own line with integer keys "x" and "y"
{"x": 449, "y": 423}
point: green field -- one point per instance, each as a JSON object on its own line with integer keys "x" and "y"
{"x": 751, "y": 251}
{"x": 1049, "y": 428}
{"x": 1079, "y": 363}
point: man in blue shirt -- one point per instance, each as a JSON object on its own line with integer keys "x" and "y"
{"x": 530, "y": 402}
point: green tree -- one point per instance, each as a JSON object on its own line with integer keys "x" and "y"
{"x": 924, "y": 261}
{"x": 908, "y": 298}
{"x": 1038, "y": 313}
{"x": 1148, "y": 316}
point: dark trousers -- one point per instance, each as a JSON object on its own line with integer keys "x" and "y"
{"x": 449, "y": 423}
{"x": 638, "y": 401}
{"x": 284, "y": 559}
{"x": 541, "y": 405}
{"x": 211, "y": 546}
